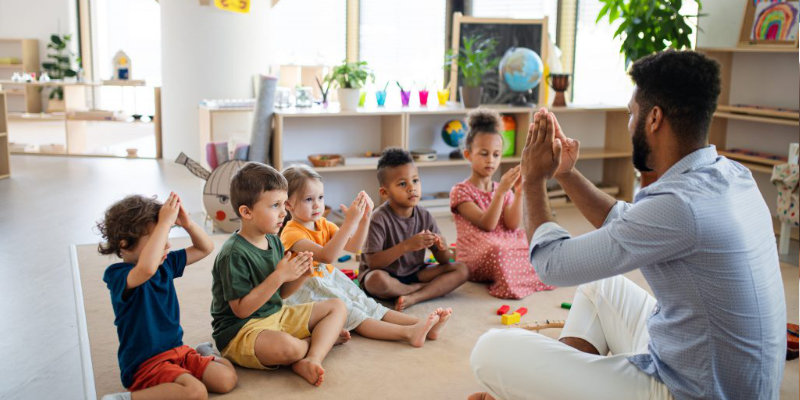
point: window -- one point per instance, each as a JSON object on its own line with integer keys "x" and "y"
{"x": 519, "y": 10}
{"x": 600, "y": 74}
{"x": 403, "y": 41}
{"x": 134, "y": 27}
{"x": 308, "y": 32}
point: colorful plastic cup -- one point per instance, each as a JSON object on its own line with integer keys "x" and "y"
{"x": 362, "y": 98}
{"x": 443, "y": 95}
{"x": 380, "y": 97}
{"x": 423, "y": 97}
{"x": 405, "y": 97}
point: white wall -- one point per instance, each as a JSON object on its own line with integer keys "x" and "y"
{"x": 721, "y": 26}
{"x": 206, "y": 53}
{"x": 38, "y": 20}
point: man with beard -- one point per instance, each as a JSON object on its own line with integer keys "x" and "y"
{"x": 702, "y": 237}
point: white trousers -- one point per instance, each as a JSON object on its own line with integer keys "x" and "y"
{"x": 611, "y": 314}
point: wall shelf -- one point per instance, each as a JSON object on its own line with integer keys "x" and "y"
{"x": 299, "y": 132}
{"x": 765, "y": 48}
{"x": 27, "y": 51}
{"x": 756, "y": 118}
{"x": 740, "y": 68}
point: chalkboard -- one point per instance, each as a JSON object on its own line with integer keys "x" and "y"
{"x": 529, "y": 33}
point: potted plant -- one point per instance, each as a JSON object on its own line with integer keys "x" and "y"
{"x": 58, "y": 68}
{"x": 475, "y": 58}
{"x": 648, "y": 26}
{"x": 350, "y": 77}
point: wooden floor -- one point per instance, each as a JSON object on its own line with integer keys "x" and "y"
{"x": 49, "y": 204}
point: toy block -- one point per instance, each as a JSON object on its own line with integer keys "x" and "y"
{"x": 510, "y": 319}
{"x": 344, "y": 258}
{"x": 502, "y": 310}
{"x": 350, "y": 274}
{"x": 522, "y": 311}
{"x": 566, "y": 305}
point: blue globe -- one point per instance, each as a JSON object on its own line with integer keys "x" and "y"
{"x": 453, "y": 132}
{"x": 521, "y": 68}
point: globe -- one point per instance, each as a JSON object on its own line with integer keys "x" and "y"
{"x": 521, "y": 69}
{"x": 453, "y": 132}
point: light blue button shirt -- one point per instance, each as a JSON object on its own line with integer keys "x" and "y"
{"x": 704, "y": 241}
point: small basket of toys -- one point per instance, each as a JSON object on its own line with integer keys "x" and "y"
{"x": 325, "y": 160}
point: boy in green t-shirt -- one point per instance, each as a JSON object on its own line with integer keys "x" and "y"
{"x": 251, "y": 276}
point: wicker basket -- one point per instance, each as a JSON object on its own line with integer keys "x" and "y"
{"x": 324, "y": 160}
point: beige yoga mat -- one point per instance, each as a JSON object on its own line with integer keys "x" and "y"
{"x": 360, "y": 369}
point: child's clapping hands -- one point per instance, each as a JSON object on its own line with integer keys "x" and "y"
{"x": 291, "y": 268}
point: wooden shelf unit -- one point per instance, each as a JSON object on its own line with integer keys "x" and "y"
{"x": 300, "y": 132}
{"x": 5, "y": 155}
{"x": 27, "y": 50}
{"x": 727, "y": 113}
{"x": 75, "y": 128}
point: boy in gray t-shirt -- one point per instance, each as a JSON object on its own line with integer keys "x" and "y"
{"x": 393, "y": 266}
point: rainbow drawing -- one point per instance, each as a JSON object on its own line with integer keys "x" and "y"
{"x": 775, "y": 21}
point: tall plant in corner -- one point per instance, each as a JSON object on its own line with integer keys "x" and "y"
{"x": 59, "y": 65}
{"x": 474, "y": 59}
{"x": 649, "y": 26}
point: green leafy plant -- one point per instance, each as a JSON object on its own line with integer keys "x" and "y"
{"x": 60, "y": 66}
{"x": 474, "y": 59}
{"x": 351, "y": 75}
{"x": 648, "y": 26}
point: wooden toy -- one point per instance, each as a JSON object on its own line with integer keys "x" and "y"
{"x": 548, "y": 323}
{"x": 502, "y": 310}
{"x": 510, "y": 319}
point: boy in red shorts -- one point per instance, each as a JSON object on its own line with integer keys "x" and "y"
{"x": 153, "y": 361}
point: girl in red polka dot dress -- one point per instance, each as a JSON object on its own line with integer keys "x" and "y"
{"x": 488, "y": 216}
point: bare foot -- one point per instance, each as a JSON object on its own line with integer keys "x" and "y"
{"x": 403, "y": 302}
{"x": 399, "y": 304}
{"x": 344, "y": 337}
{"x": 311, "y": 371}
{"x": 480, "y": 396}
{"x": 420, "y": 329}
{"x": 444, "y": 315}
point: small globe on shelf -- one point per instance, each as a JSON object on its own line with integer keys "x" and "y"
{"x": 453, "y": 132}
{"x": 522, "y": 70}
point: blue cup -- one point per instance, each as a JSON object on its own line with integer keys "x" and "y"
{"x": 380, "y": 97}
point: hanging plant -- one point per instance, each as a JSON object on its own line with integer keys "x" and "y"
{"x": 649, "y": 26}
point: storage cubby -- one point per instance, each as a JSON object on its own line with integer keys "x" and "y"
{"x": 298, "y": 132}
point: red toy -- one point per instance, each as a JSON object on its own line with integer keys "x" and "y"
{"x": 522, "y": 310}
{"x": 350, "y": 273}
{"x": 504, "y": 309}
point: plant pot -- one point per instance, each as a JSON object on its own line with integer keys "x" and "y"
{"x": 55, "y": 105}
{"x": 471, "y": 96}
{"x": 348, "y": 98}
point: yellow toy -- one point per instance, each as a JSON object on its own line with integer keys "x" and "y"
{"x": 510, "y": 319}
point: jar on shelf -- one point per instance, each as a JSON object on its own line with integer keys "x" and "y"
{"x": 303, "y": 97}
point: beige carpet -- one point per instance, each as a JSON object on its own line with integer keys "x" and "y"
{"x": 362, "y": 368}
